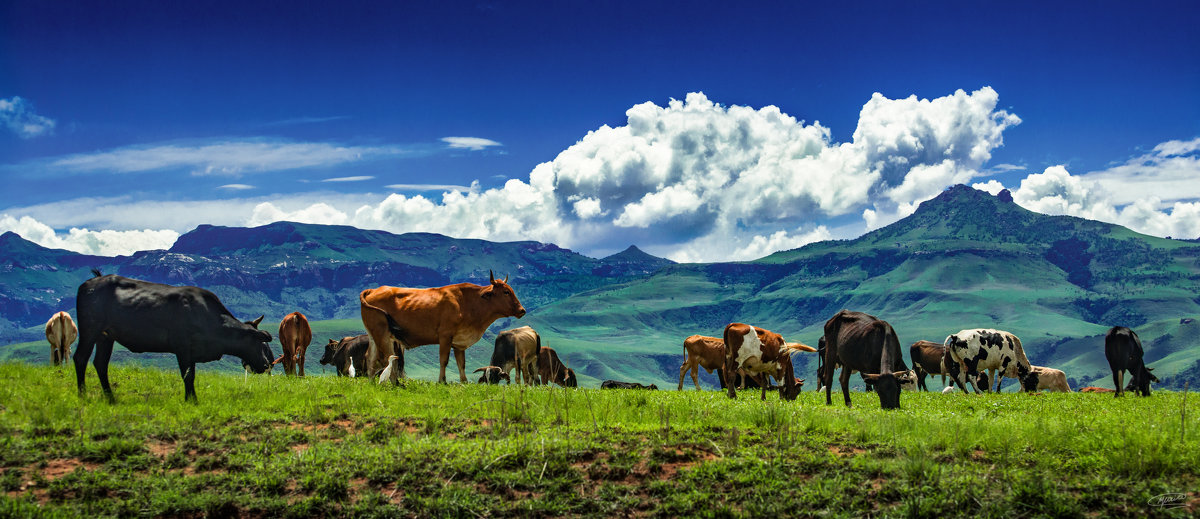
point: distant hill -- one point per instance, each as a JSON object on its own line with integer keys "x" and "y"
{"x": 319, "y": 269}
{"x": 964, "y": 259}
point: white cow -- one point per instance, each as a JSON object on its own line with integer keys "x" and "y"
{"x": 61, "y": 332}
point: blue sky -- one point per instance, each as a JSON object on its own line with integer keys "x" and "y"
{"x": 131, "y": 122}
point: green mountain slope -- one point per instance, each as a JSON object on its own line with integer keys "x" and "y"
{"x": 964, "y": 259}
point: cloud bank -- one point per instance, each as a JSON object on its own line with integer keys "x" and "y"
{"x": 1155, "y": 193}
{"x": 100, "y": 243}
{"x": 18, "y": 116}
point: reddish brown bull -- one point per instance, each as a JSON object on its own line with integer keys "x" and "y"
{"x": 761, "y": 351}
{"x": 453, "y": 317}
{"x": 702, "y": 352}
{"x": 294, "y": 337}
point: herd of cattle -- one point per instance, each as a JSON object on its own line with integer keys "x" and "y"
{"x": 191, "y": 323}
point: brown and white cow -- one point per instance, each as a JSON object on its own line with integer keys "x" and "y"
{"x": 516, "y": 352}
{"x": 759, "y": 351}
{"x": 927, "y": 359}
{"x": 973, "y": 351}
{"x": 703, "y": 352}
{"x": 1046, "y": 378}
{"x": 864, "y": 343}
{"x": 61, "y": 332}
{"x": 294, "y": 338}
{"x": 552, "y": 369}
{"x": 453, "y": 317}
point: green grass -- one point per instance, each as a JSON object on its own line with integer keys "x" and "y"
{"x": 280, "y": 446}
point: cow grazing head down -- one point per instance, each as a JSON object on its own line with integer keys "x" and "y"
{"x": 254, "y": 342}
{"x": 330, "y": 352}
{"x": 503, "y": 297}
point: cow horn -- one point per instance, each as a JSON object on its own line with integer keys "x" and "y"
{"x": 506, "y": 278}
{"x": 492, "y": 276}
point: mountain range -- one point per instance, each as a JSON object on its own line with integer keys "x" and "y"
{"x": 963, "y": 259}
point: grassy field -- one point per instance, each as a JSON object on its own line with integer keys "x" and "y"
{"x": 275, "y": 446}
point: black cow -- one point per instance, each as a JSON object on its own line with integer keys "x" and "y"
{"x": 867, "y": 386}
{"x": 348, "y": 355}
{"x": 613, "y": 384}
{"x": 148, "y": 317}
{"x": 861, "y": 342}
{"x": 1123, "y": 349}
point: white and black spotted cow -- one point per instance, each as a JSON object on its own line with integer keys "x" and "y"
{"x": 996, "y": 351}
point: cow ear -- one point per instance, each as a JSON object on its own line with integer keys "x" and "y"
{"x": 263, "y": 336}
{"x": 872, "y": 378}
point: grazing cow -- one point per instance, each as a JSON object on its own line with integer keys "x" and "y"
{"x": 453, "y": 317}
{"x": 347, "y": 355}
{"x": 492, "y": 375}
{"x": 974, "y": 350}
{"x": 552, "y": 369}
{"x": 294, "y": 338}
{"x": 1123, "y": 349}
{"x": 61, "y": 332}
{"x": 927, "y": 359}
{"x": 392, "y": 372}
{"x": 1094, "y": 389}
{"x": 518, "y": 349}
{"x": 148, "y": 317}
{"x": 864, "y": 343}
{"x": 867, "y": 386}
{"x": 1046, "y": 378}
{"x": 613, "y": 384}
{"x": 703, "y": 352}
{"x": 759, "y": 351}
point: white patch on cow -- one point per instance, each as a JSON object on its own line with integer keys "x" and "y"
{"x": 466, "y": 338}
{"x": 751, "y": 349}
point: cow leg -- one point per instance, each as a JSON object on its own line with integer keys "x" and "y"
{"x": 460, "y": 357}
{"x": 86, "y": 343}
{"x": 443, "y": 359}
{"x": 187, "y": 370}
{"x": 920, "y": 379}
{"x": 720, "y": 377}
{"x": 104, "y": 349}
{"x": 845, "y": 380}
{"x": 300, "y": 360}
{"x": 1118, "y": 379}
{"x": 682, "y": 373}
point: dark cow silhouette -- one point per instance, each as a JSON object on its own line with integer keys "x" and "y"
{"x": 148, "y": 317}
{"x": 864, "y": 343}
{"x": 867, "y": 386}
{"x": 927, "y": 359}
{"x": 348, "y": 355}
{"x": 613, "y": 384}
{"x": 1123, "y": 349}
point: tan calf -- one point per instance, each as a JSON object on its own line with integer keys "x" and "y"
{"x": 703, "y": 352}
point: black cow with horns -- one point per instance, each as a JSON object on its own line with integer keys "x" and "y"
{"x": 148, "y": 317}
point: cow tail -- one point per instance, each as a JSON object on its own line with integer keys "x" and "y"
{"x": 392, "y": 325}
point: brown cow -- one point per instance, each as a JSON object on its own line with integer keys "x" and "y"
{"x": 761, "y": 351}
{"x": 61, "y": 332}
{"x": 1040, "y": 378}
{"x": 294, "y": 337}
{"x": 702, "y": 352}
{"x": 927, "y": 360}
{"x": 453, "y": 317}
{"x": 518, "y": 349}
{"x": 1094, "y": 389}
{"x": 552, "y": 369}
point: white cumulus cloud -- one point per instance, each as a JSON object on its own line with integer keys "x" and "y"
{"x": 101, "y": 243}
{"x": 18, "y": 116}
